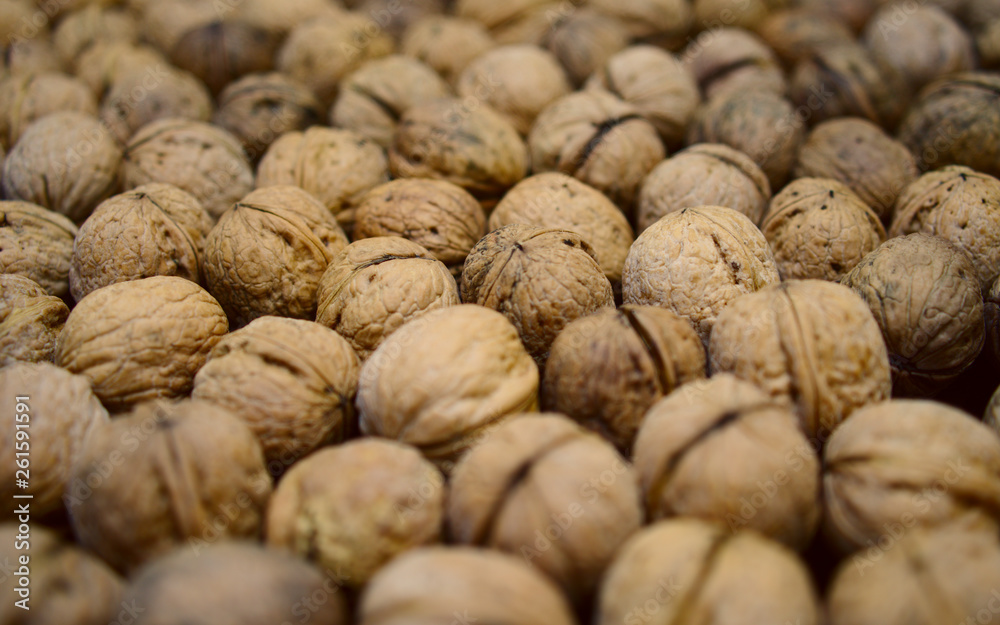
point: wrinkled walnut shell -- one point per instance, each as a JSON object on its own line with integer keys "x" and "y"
{"x": 24, "y": 99}
{"x": 30, "y": 321}
{"x": 36, "y": 243}
{"x": 445, "y": 43}
{"x": 733, "y": 60}
{"x": 795, "y": 33}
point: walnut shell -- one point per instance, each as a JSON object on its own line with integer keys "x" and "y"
{"x": 795, "y": 33}
{"x": 31, "y": 56}
{"x": 202, "y": 159}
{"x": 660, "y": 22}
{"x": 66, "y": 162}
{"x": 925, "y": 296}
{"x": 445, "y": 43}
{"x": 267, "y": 253}
{"x": 337, "y": 166}
{"x": 541, "y": 279}
{"x": 444, "y": 379}
{"x": 164, "y": 22}
{"x": 30, "y": 321}
{"x": 63, "y": 412}
{"x": 373, "y": 286}
{"x": 105, "y": 63}
{"x": 991, "y": 417}
{"x": 704, "y": 174}
{"x": 292, "y": 381}
{"x": 282, "y": 17}
{"x": 732, "y": 60}
{"x": 14, "y": 15}
{"x": 599, "y": 139}
{"x": 988, "y": 45}
{"x": 810, "y": 344}
{"x": 83, "y": 28}
{"x": 36, "y": 243}
{"x": 24, "y": 99}
{"x": 153, "y": 230}
{"x": 180, "y": 322}
{"x": 695, "y": 261}
{"x": 386, "y": 500}
{"x": 960, "y": 205}
{"x": 224, "y": 50}
{"x": 991, "y": 313}
{"x": 395, "y": 17}
{"x": 853, "y": 13}
{"x": 744, "y": 14}
{"x": 606, "y": 369}
{"x": 723, "y": 450}
{"x": 692, "y": 569}
{"x": 495, "y": 15}
{"x": 913, "y": 461}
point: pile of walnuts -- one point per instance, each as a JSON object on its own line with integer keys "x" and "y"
{"x": 534, "y": 312}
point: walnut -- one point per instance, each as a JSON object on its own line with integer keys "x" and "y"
{"x": 695, "y": 261}
{"x": 36, "y": 243}
{"x": 142, "y": 94}
{"x": 976, "y": 12}
{"x": 283, "y": 17}
{"x": 30, "y": 321}
{"x": 861, "y": 155}
{"x": 988, "y": 45}
{"x": 744, "y": 14}
{"x": 395, "y": 17}
{"x": 223, "y": 50}
{"x": 181, "y": 324}
{"x": 440, "y": 216}
{"x": 105, "y": 63}
{"x": 539, "y": 475}
{"x": 689, "y": 568}
{"x": 732, "y": 60}
{"x": 433, "y": 584}
{"x": 83, "y": 28}
{"x": 164, "y": 22}
{"x": 473, "y": 147}
{"x": 991, "y": 417}
{"x": 955, "y": 121}
{"x": 812, "y": 345}
{"x": 942, "y": 468}
{"x": 925, "y": 296}
{"x": 176, "y": 473}
{"x": 991, "y": 314}
{"x": 541, "y": 279}
{"x": 723, "y": 450}
{"x": 63, "y": 412}
{"x": 599, "y": 139}
{"x": 374, "y": 97}
{"x": 606, "y": 369}
{"x": 30, "y": 56}
{"x": 818, "y": 228}
{"x": 13, "y": 16}
{"x": 853, "y": 13}
{"x": 202, "y": 159}
{"x": 386, "y": 500}
{"x": 153, "y": 230}
{"x": 66, "y": 162}
{"x": 375, "y": 285}
{"x": 445, "y": 43}
{"x": 960, "y": 205}
{"x": 443, "y": 380}
{"x": 337, "y": 166}
{"x": 267, "y": 253}
{"x": 659, "y": 86}
{"x": 24, "y": 99}
{"x": 494, "y": 15}
{"x": 661, "y": 22}
{"x": 704, "y": 174}
{"x": 795, "y": 33}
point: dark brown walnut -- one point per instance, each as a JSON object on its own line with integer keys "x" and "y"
{"x": 657, "y": 84}
{"x": 517, "y": 80}
{"x": 976, "y": 12}
{"x": 924, "y": 577}
{"x": 292, "y": 381}
{"x": 599, "y": 139}
{"x": 224, "y": 50}
{"x": 955, "y": 121}
{"x": 606, "y": 369}
{"x": 36, "y": 243}
{"x": 926, "y": 45}
{"x": 704, "y": 174}
{"x": 106, "y": 62}
{"x": 722, "y": 450}
{"x": 83, "y": 28}
{"x": 63, "y": 412}
{"x": 663, "y": 23}
{"x": 31, "y": 56}
{"x": 442, "y": 217}
{"x": 988, "y": 45}
{"x": 153, "y": 230}
{"x": 375, "y": 285}
{"x": 445, "y": 380}
{"x": 960, "y": 205}
{"x": 544, "y": 475}
{"x": 267, "y": 253}
{"x": 386, "y": 499}
{"x": 393, "y": 17}
{"x": 141, "y": 339}
{"x": 732, "y": 60}
{"x": 337, "y": 166}
{"x": 375, "y": 96}
{"x": 182, "y": 475}
{"x": 912, "y": 462}
{"x": 445, "y": 43}
{"x": 797, "y": 32}
{"x": 925, "y": 296}
{"x": 204, "y": 160}
{"x": 24, "y": 99}
{"x": 66, "y": 162}
{"x": 991, "y": 314}
{"x": 140, "y": 95}
{"x": 78, "y": 588}
{"x": 30, "y": 321}
{"x": 691, "y": 569}
{"x": 760, "y": 123}
{"x": 818, "y": 228}
{"x": 235, "y": 580}
{"x": 862, "y": 156}
{"x": 695, "y": 261}
{"x": 810, "y": 344}
{"x": 474, "y": 147}
{"x": 541, "y": 279}
{"x": 744, "y": 14}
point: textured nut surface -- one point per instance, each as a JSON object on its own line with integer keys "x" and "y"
{"x": 105, "y": 62}
{"x": 446, "y": 43}
{"x": 732, "y": 61}
{"x": 796, "y": 32}
{"x": 881, "y": 459}
{"x": 141, "y": 339}
{"x": 36, "y": 243}
{"x": 812, "y": 345}
{"x": 81, "y": 29}
{"x": 166, "y": 91}
{"x": 26, "y": 98}
{"x": 662, "y": 22}
{"x": 30, "y": 321}
{"x": 583, "y": 41}
{"x": 223, "y": 50}
{"x": 695, "y": 261}
{"x": 32, "y": 56}
{"x": 991, "y": 313}
{"x": 992, "y": 415}
{"x": 358, "y": 522}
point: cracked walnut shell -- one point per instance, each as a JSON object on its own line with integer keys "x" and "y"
{"x": 38, "y": 244}
{"x": 733, "y": 60}
{"x": 30, "y": 321}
